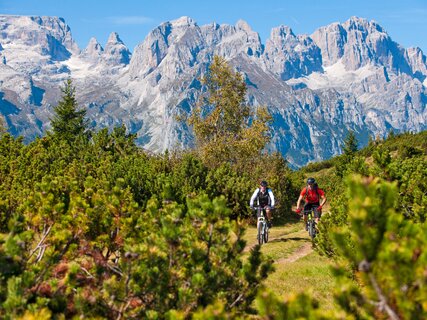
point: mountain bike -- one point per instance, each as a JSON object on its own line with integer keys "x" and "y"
{"x": 262, "y": 226}
{"x": 311, "y": 222}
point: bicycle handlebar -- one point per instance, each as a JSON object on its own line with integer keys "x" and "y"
{"x": 259, "y": 207}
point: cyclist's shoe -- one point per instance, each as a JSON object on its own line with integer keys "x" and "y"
{"x": 269, "y": 224}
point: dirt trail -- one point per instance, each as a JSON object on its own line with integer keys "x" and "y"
{"x": 282, "y": 233}
{"x": 306, "y": 249}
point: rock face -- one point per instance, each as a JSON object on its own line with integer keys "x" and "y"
{"x": 345, "y": 76}
{"x": 291, "y": 56}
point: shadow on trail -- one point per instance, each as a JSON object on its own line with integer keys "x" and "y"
{"x": 290, "y": 239}
{"x": 286, "y": 223}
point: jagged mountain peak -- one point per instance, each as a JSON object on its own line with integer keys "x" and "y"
{"x": 115, "y": 51}
{"x": 170, "y": 31}
{"x": 28, "y": 20}
{"x": 93, "y": 43}
{"x": 353, "y": 25}
{"x": 363, "y": 24}
{"x": 359, "y": 42}
{"x": 183, "y": 21}
{"x": 155, "y": 47}
{"x": 93, "y": 50}
{"x": 355, "y": 20}
{"x": 49, "y": 21}
{"x": 335, "y": 27}
{"x": 282, "y": 31}
{"x": 243, "y": 25}
{"x": 114, "y": 39}
{"x": 33, "y": 43}
{"x": 418, "y": 63}
{"x": 30, "y": 30}
{"x": 415, "y": 51}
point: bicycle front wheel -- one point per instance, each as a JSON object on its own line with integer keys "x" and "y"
{"x": 260, "y": 235}
{"x": 311, "y": 229}
{"x": 265, "y": 234}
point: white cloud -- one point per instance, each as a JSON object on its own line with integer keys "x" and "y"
{"x": 130, "y": 20}
{"x": 411, "y": 15}
{"x": 295, "y": 20}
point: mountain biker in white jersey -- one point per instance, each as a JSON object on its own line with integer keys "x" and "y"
{"x": 264, "y": 198}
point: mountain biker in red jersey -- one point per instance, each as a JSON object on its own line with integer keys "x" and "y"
{"x": 265, "y": 199}
{"x": 314, "y": 197}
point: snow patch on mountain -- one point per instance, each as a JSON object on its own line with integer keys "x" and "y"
{"x": 334, "y": 76}
{"x": 81, "y": 69}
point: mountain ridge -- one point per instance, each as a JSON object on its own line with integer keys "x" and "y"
{"x": 344, "y": 76}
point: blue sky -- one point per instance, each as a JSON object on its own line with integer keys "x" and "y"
{"x": 404, "y": 20}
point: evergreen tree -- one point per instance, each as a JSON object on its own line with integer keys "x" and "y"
{"x": 68, "y": 122}
{"x": 226, "y": 129}
{"x": 347, "y": 161}
{"x": 350, "y": 145}
{"x": 391, "y": 135}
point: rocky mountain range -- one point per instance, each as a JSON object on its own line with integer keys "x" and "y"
{"x": 344, "y": 76}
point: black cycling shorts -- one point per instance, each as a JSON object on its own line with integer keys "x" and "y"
{"x": 309, "y": 206}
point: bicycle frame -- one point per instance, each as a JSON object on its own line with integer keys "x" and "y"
{"x": 311, "y": 222}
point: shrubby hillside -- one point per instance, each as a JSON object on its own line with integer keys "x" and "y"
{"x": 93, "y": 226}
{"x": 376, "y": 229}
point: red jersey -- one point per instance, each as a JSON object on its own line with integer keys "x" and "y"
{"x": 312, "y": 196}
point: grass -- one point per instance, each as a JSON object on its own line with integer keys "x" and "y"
{"x": 275, "y": 233}
{"x": 310, "y": 273}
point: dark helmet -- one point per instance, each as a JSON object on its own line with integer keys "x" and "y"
{"x": 311, "y": 181}
{"x": 263, "y": 183}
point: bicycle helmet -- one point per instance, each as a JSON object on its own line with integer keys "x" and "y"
{"x": 263, "y": 183}
{"x": 311, "y": 181}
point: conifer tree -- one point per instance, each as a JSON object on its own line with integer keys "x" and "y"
{"x": 347, "y": 160}
{"x": 350, "y": 145}
{"x": 68, "y": 122}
